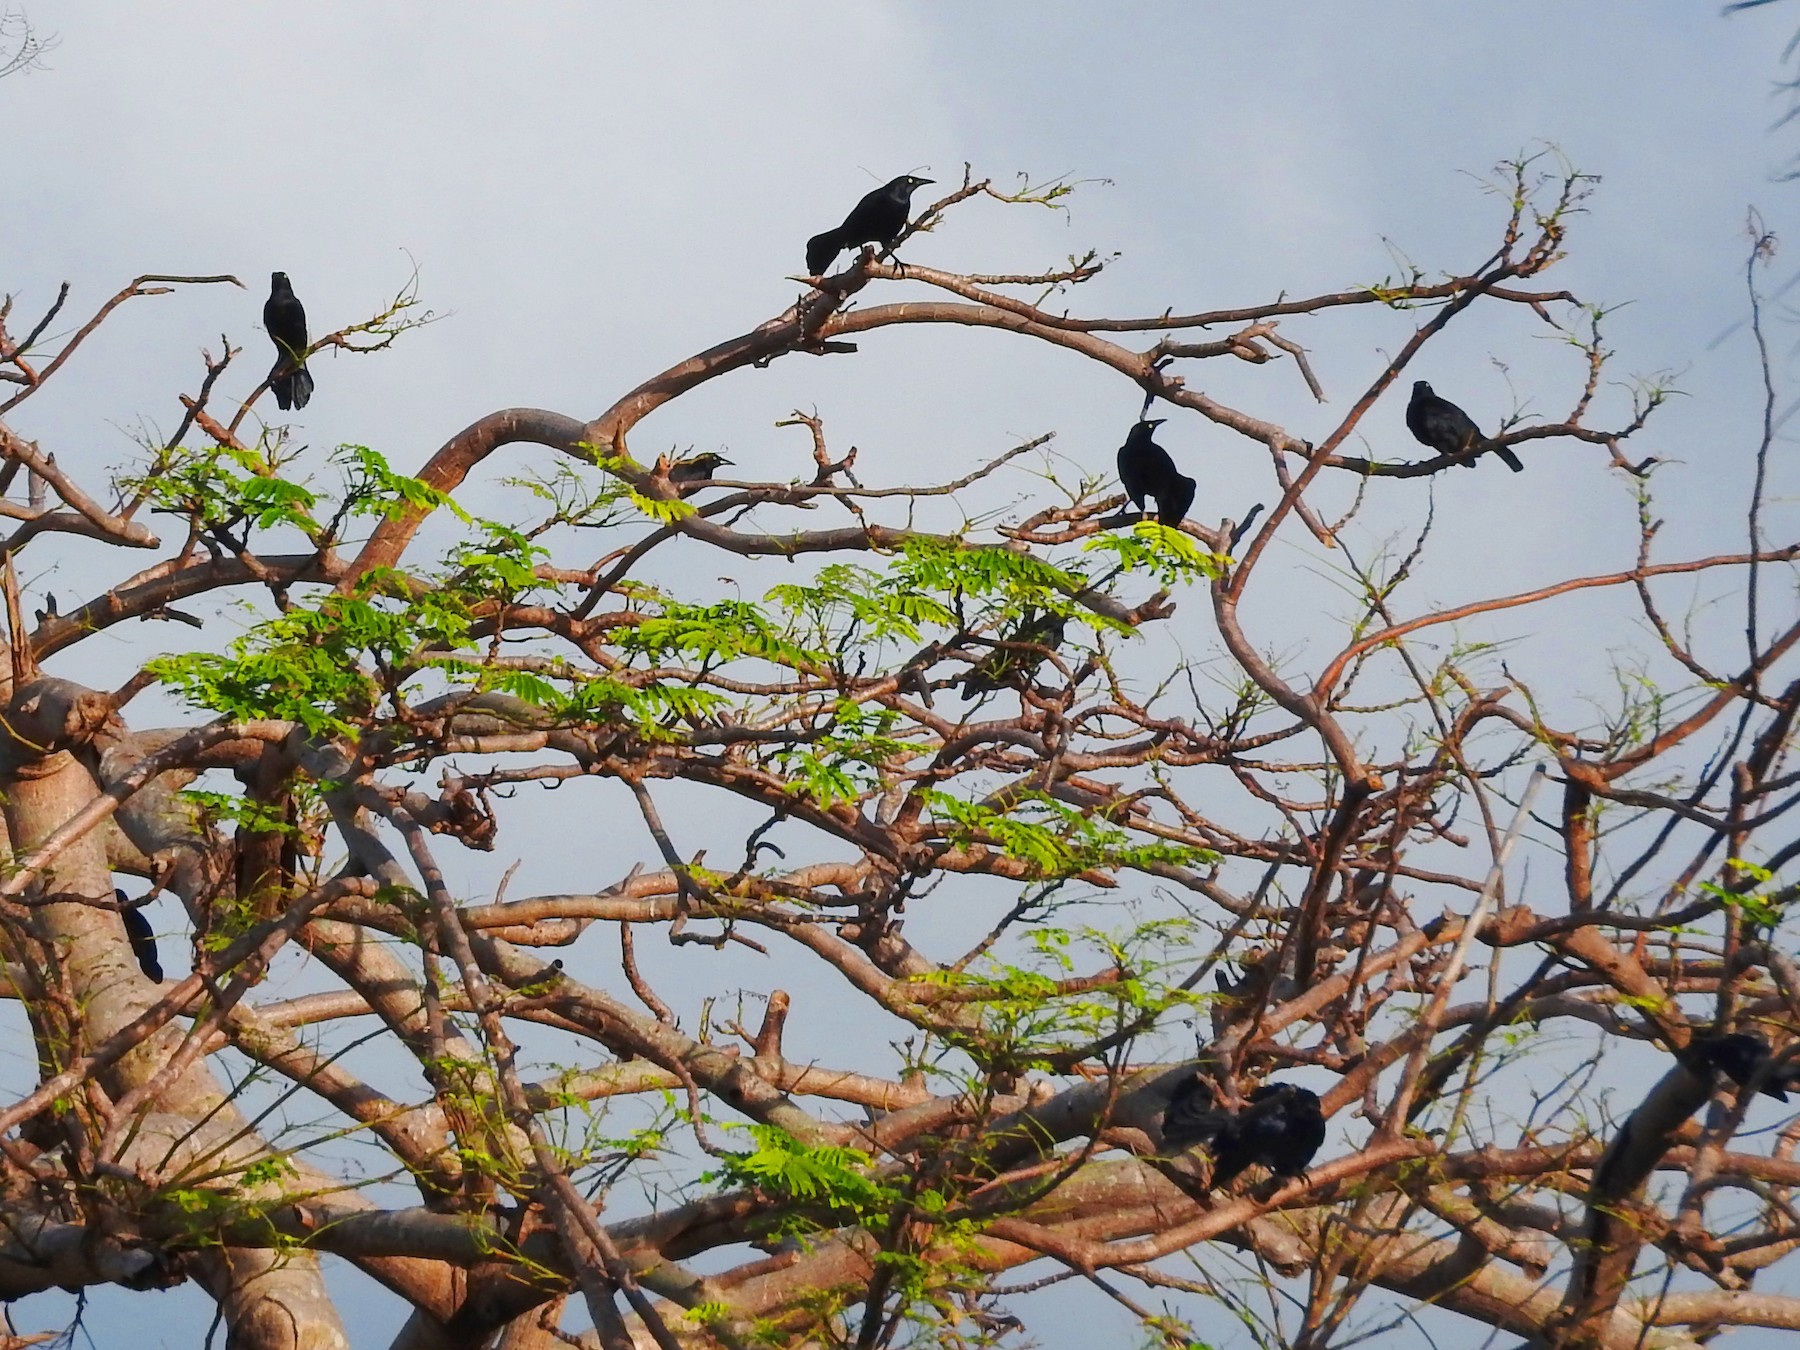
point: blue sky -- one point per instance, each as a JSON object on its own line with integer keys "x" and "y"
{"x": 591, "y": 192}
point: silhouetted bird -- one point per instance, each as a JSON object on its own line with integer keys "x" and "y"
{"x": 1740, "y": 1056}
{"x": 695, "y": 472}
{"x": 1146, "y": 470}
{"x": 142, "y": 939}
{"x": 1016, "y": 660}
{"x": 1638, "y": 1147}
{"x": 1281, "y": 1128}
{"x": 1193, "y": 1115}
{"x": 285, "y": 319}
{"x": 878, "y": 218}
{"x": 1440, "y": 425}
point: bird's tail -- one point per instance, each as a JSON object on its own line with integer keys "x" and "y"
{"x": 1507, "y": 456}
{"x": 822, "y": 251}
{"x": 291, "y": 385}
{"x": 142, "y": 939}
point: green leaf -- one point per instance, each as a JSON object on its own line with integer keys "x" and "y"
{"x": 828, "y": 1176}
{"x": 1167, "y": 554}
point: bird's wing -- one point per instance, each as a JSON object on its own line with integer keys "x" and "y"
{"x": 1174, "y": 503}
{"x": 1132, "y": 479}
{"x": 1462, "y": 427}
{"x": 1312, "y": 1139}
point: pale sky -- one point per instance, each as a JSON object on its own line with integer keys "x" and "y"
{"x": 591, "y": 192}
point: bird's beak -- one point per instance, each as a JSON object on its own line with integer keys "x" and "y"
{"x": 924, "y": 181}
{"x": 723, "y": 460}
{"x": 1156, "y": 421}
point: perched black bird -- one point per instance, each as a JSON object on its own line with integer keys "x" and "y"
{"x": 1146, "y": 470}
{"x": 1281, "y": 1128}
{"x": 695, "y": 472}
{"x": 1642, "y": 1141}
{"x": 1440, "y": 425}
{"x": 143, "y": 941}
{"x": 1016, "y": 659}
{"x": 878, "y": 218}
{"x": 1740, "y": 1056}
{"x": 1193, "y": 1115}
{"x": 285, "y": 319}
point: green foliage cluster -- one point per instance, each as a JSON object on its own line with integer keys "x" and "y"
{"x": 799, "y": 658}
{"x": 1056, "y": 839}
{"x": 836, "y": 1183}
{"x": 1034, "y": 1015}
{"x": 827, "y": 1187}
{"x": 1762, "y": 908}
{"x": 336, "y": 663}
{"x": 1159, "y": 551}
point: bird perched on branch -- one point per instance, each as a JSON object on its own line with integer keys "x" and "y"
{"x": 1440, "y": 425}
{"x": 1281, "y": 1127}
{"x": 1015, "y": 661}
{"x": 695, "y": 472}
{"x": 285, "y": 319}
{"x": 142, "y": 939}
{"x": 1146, "y": 470}
{"x": 1646, "y": 1134}
{"x": 879, "y": 218}
{"x": 1741, "y": 1056}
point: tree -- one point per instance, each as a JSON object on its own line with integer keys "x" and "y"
{"x": 1303, "y": 858}
{"x": 22, "y": 50}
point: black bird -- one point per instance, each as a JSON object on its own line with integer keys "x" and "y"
{"x": 878, "y": 218}
{"x": 143, "y": 941}
{"x": 1146, "y": 470}
{"x": 695, "y": 472}
{"x": 1193, "y": 1115}
{"x": 1281, "y": 1128}
{"x": 1740, "y": 1056}
{"x": 1440, "y": 425}
{"x": 285, "y": 319}
{"x": 1641, "y": 1142}
{"x": 1016, "y": 659}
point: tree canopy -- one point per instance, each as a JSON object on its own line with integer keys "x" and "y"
{"x": 1023, "y": 815}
